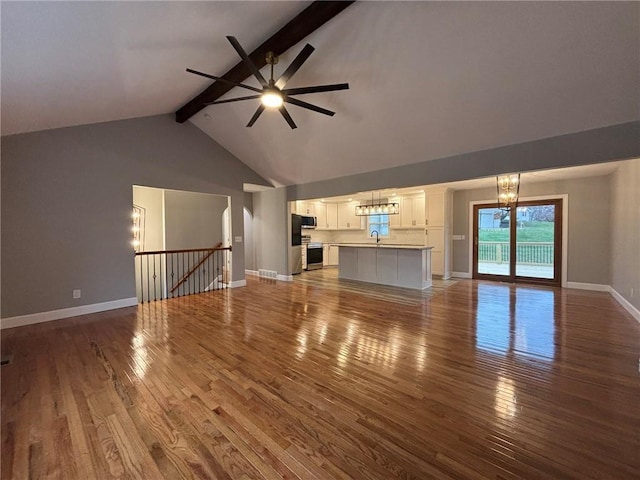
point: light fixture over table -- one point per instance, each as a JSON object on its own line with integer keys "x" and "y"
{"x": 379, "y": 208}
{"x": 508, "y": 188}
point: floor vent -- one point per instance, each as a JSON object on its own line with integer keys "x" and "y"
{"x": 6, "y": 360}
{"x": 267, "y": 273}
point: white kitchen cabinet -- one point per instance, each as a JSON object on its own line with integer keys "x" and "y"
{"x": 305, "y": 208}
{"x": 395, "y": 221}
{"x": 303, "y": 251}
{"x": 436, "y": 209}
{"x": 330, "y": 255}
{"x": 321, "y": 214}
{"x": 347, "y": 218}
{"x": 435, "y": 238}
{"x": 334, "y": 255}
{"x": 412, "y": 212}
{"x": 438, "y": 230}
{"x": 327, "y": 214}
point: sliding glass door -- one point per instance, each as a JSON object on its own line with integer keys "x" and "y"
{"x": 521, "y": 244}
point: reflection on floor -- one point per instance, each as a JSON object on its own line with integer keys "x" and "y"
{"x": 327, "y": 278}
{"x": 320, "y": 379}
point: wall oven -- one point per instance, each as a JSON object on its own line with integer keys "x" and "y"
{"x": 314, "y": 255}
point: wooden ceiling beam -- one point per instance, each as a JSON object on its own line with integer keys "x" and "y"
{"x": 306, "y": 22}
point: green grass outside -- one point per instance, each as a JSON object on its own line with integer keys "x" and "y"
{"x": 530, "y": 232}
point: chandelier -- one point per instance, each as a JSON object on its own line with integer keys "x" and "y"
{"x": 377, "y": 208}
{"x": 508, "y": 188}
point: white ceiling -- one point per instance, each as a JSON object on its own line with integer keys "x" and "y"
{"x": 428, "y": 79}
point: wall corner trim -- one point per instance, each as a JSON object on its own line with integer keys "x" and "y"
{"x": 635, "y": 313}
{"x": 589, "y": 286}
{"x": 285, "y": 278}
{"x": 461, "y": 275}
{"x": 237, "y": 283}
{"x": 40, "y": 317}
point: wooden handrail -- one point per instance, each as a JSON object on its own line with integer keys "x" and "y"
{"x": 157, "y": 252}
{"x": 193, "y": 269}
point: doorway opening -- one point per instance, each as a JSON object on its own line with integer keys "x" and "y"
{"x": 181, "y": 242}
{"x": 519, "y": 244}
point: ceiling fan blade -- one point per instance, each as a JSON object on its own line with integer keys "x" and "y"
{"x": 287, "y": 117}
{"x": 247, "y": 61}
{"x": 300, "y": 103}
{"x": 256, "y": 115}
{"x": 295, "y": 65}
{"x": 237, "y": 99}
{"x": 318, "y": 88}
{"x": 220, "y": 79}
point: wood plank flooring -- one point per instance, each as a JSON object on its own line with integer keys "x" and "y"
{"x": 315, "y": 379}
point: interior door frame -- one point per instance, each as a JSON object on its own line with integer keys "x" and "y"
{"x": 564, "y": 235}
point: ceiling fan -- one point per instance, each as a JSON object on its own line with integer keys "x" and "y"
{"x": 273, "y": 94}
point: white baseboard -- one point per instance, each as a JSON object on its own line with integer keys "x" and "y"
{"x": 237, "y": 283}
{"x": 285, "y": 278}
{"x": 461, "y": 275}
{"x": 40, "y": 317}
{"x": 251, "y": 272}
{"x": 635, "y": 313}
{"x": 589, "y": 286}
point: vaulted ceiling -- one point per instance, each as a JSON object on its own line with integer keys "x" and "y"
{"x": 428, "y": 79}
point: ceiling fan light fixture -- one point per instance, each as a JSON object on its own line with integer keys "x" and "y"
{"x": 272, "y": 99}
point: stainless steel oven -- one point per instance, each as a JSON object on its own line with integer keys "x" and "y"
{"x": 314, "y": 255}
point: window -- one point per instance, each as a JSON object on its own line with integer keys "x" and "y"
{"x": 379, "y": 223}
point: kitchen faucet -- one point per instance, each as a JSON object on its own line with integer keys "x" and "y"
{"x": 377, "y": 236}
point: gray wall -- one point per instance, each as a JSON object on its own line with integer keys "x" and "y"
{"x": 271, "y": 227}
{"x": 249, "y": 243}
{"x": 589, "y": 226}
{"x": 617, "y": 142}
{"x": 625, "y": 231}
{"x": 249, "y": 236}
{"x": 66, "y": 205}
{"x": 193, "y": 220}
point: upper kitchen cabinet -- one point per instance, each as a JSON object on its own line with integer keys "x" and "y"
{"x": 327, "y": 214}
{"x": 412, "y": 212}
{"x": 347, "y": 218}
{"x": 435, "y": 208}
{"x": 305, "y": 208}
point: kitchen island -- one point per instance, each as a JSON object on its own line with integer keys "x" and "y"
{"x": 406, "y": 266}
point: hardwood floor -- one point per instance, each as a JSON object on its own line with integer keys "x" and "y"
{"x": 471, "y": 380}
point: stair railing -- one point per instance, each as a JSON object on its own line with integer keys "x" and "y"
{"x": 174, "y": 273}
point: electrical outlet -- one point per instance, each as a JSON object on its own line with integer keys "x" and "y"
{"x": 631, "y": 292}
{"x": 77, "y": 293}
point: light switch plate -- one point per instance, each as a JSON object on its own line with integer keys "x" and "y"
{"x": 238, "y": 239}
